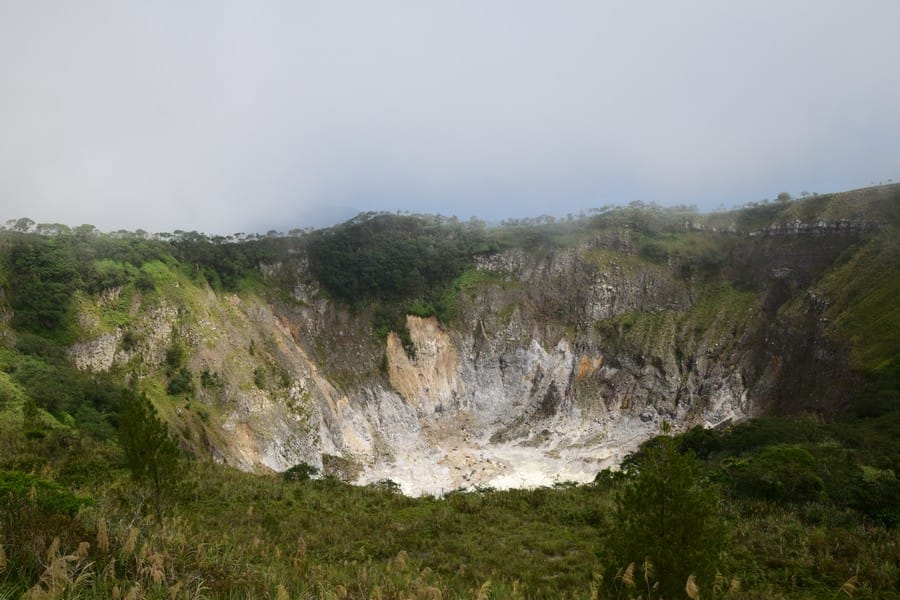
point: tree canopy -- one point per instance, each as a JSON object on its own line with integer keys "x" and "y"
{"x": 668, "y": 522}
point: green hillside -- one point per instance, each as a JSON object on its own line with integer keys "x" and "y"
{"x": 99, "y": 499}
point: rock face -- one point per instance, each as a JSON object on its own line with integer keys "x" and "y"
{"x": 509, "y": 399}
{"x": 557, "y": 365}
{"x": 430, "y": 382}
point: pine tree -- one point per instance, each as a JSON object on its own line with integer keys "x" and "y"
{"x": 668, "y": 521}
{"x": 154, "y": 459}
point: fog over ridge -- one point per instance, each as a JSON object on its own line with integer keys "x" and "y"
{"x": 225, "y": 116}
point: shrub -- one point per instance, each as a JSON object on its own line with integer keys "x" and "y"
{"x": 300, "y": 472}
{"x": 182, "y": 382}
{"x": 784, "y": 472}
{"x": 47, "y": 496}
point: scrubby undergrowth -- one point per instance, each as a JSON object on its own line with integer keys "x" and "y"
{"x": 76, "y": 525}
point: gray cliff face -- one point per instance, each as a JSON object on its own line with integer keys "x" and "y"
{"x": 523, "y": 388}
{"x": 557, "y": 363}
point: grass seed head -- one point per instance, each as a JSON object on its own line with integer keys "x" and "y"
{"x": 83, "y": 549}
{"x": 102, "y": 535}
{"x": 130, "y": 542}
{"x": 52, "y": 550}
{"x": 691, "y": 588}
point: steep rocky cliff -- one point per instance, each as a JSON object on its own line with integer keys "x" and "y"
{"x": 561, "y": 353}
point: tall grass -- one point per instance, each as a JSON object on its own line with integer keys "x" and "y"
{"x": 237, "y": 535}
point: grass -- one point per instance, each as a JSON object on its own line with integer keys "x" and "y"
{"x": 619, "y": 263}
{"x": 540, "y": 239}
{"x": 11, "y": 395}
{"x": 686, "y": 245}
{"x": 867, "y": 204}
{"x": 320, "y": 537}
{"x": 231, "y": 534}
{"x": 863, "y": 292}
{"x": 709, "y": 323}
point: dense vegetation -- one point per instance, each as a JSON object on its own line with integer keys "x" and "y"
{"x": 387, "y": 257}
{"x": 75, "y": 524}
{"x": 394, "y": 265}
{"x": 96, "y": 499}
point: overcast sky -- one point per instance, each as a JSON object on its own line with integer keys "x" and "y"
{"x": 248, "y": 116}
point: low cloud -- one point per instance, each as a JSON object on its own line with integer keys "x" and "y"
{"x": 226, "y": 117}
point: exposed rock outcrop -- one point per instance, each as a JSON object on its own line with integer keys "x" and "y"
{"x": 557, "y": 365}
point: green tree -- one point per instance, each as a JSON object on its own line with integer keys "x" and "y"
{"x": 668, "y": 521}
{"x": 45, "y": 276}
{"x": 783, "y": 472}
{"x": 154, "y": 459}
